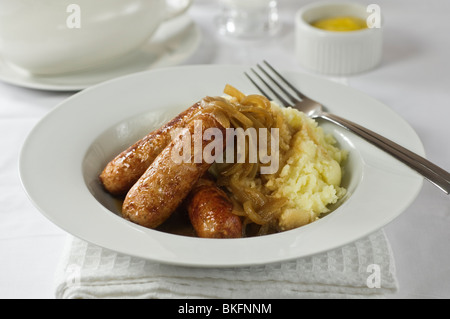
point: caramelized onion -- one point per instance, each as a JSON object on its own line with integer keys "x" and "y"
{"x": 243, "y": 180}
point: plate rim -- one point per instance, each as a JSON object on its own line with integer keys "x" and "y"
{"x": 28, "y": 140}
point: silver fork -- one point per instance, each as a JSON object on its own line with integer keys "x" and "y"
{"x": 289, "y": 95}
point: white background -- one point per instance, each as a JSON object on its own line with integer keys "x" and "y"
{"x": 413, "y": 79}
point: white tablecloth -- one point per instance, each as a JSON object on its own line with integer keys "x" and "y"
{"x": 414, "y": 80}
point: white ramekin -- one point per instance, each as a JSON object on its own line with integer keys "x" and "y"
{"x": 336, "y": 53}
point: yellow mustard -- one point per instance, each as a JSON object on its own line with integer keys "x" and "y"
{"x": 340, "y": 24}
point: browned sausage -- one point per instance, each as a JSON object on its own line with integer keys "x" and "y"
{"x": 211, "y": 211}
{"x": 166, "y": 183}
{"x": 126, "y": 168}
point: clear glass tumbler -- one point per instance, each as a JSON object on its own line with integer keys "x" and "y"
{"x": 248, "y": 18}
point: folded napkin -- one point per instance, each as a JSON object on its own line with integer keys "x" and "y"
{"x": 363, "y": 269}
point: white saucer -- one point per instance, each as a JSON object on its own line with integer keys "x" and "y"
{"x": 174, "y": 42}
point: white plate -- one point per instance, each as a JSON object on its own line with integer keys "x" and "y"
{"x": 174, "y": 42}
{"x": 65, "y": 152}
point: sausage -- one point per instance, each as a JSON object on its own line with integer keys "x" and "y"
{"x": 166, "y": 183}
{"x": 211, "y": 211}
{"x": 125, "y": 169}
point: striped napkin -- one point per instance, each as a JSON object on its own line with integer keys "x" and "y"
{"x": 363, "y": 269}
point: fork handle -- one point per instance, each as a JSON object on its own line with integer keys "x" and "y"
{"x": 434, "y": 174}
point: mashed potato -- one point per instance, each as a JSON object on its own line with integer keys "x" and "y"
{"x": 310, "y": 173}
{"x": 308, "y": 178}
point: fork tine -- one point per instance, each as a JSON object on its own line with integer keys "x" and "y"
{"x": 278, "y": 96}
{"x": 257, "y": 86}
{"x": 286, "y": 92}
{"x": 300, "y": 94}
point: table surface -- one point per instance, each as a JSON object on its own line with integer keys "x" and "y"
{"x": 413, "y": 79}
